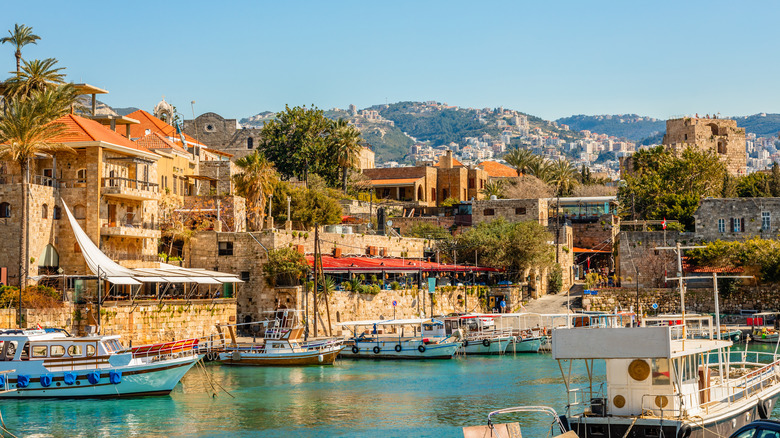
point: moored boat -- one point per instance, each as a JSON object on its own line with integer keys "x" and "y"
{"x": 375, "y": 344}
{"x": 52, "y": 363}
{"x": 764, "y": 327}
{"x": 478, "y": 333}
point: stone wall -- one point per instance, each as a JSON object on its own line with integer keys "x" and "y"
{"x": 598, "y": 235}
{"x": 738, "y": 218}
{"x": 222, "y": 134}
{"x": 512, "y": 210}
{"x": 636, "y": 252}
{"x": 721, "y": 136}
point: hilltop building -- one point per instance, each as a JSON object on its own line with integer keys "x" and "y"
{"x": 719, "y": 135}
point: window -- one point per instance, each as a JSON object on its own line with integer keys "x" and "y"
{"x": 686, "y": 137}
{"x": 81, "y": 176}
{"x": 244, "y": 275}
{"x": 520, "y": 210}
{"x": 5, "y": 209}
{"x": 250, "y": 143}
{"x": 737, "y": 225}
{"x": 766, "y": 221}
{"x": 225, "y": 248}
{"x": 79, "y": 211}
{"x": 44, "y": 211}
{"x": 57, "y": 213}
{"x": 721, "y": 225}
{"x": 74, "y": 351}
{"x": 175, "y": 185}
{"x": 39, "y": 351}
{"x": 90, "y": 350}
{"x": 488, "y": 212}
{"x": 77, "y": 248}
{"x": 471, "y": 183}
{"x": 661, "y": 372}
{"x": 57, "y": 351}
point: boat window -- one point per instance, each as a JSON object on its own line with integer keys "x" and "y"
{"x": 769, "y": 434}
{"x": 56, "y": 351}
{"x": 74, "y": 351}
{"x": 25, "y": 352}
{"x": 278, "y": 345}
{"x": 39, "y": 351}
{"x": 9, "y": 355}
{"x": 661, "y": 372}
{"x": 750, "y": 433}
{"x": 90, "y": 350}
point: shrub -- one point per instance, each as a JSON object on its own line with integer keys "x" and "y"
{"x": 34, "y": 297}
{"x": 395, "y": 285}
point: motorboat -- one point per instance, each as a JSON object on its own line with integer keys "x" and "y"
{"x": 42, "y": 363}
{"x": 478, "y": 332}
{"x": 280, "y": 345}
{"x": 386, "y": 339}
{"x": 764, "y": 327}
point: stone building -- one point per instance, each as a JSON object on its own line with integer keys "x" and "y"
{"x": 222, "y": 134}
{"x": 511, "y": 210}
{"x": 110, "y": 185}
{"x": 719, "y": 135}
{"x": 737, "y": 218}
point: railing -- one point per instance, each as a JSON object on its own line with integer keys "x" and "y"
{"x": 186, "y": 347}
{"x": 132, "y": 224}
{"x": 39, "y": 180}
{"x": 129, "y": 183}
{"x": 676, "y": 412}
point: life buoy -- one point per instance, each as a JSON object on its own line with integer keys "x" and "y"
{"x": 486, "y": 342}
{"x": 421, "y": 348}
{"x": 46, "y": 380}
{"x": 764, "y": 408}
{"x": 69, "y": 378}
{"x": 355, "y": 349}
{"x": 93, "y": 377}
{"x": 115, "y": 377}
{"x": 684, "y": 432}
{"x": 466, "y": 343}
{"x": 398, "y": 348}
{"x": 377, "y": 349}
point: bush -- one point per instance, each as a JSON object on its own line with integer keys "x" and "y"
{"x": 285, "y": 266}
{"x": 34, "y": 297}
{"x": 555, "y": 279}
{"x": 395, "y": 285}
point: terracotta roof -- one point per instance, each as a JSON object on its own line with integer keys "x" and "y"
{"x": 497, "y": 170}
{"x": 377, "y": 264}
{"x": 394, "y": 182}
{"x": 79, "y": 129}
{"x": 157, "y": 141}
{"x": 687, "y": 267}
{"x": 153, "y": 124}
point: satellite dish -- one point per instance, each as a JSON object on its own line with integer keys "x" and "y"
{"x": 389, "y": 223}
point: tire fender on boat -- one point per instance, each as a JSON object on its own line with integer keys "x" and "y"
{"x": 684, "y": 432}
{"x": 486, "y": 342}
{"x": 93, "y": 377}
{"x": 377, "y": 349}
{"x": 466, "y": 343}
{"x": 355, "y": 349}
{"x": 46, "y": 380}
{"x": 764, "y": 408}
{"x": 421, "y": 348}
{"x": 69, "y": 378}
{"x": 22, "y": 381}
{"x": 115, "y": 377}
{"x": 398, "y": 348}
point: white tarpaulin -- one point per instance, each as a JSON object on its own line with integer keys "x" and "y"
{"x": 122, "y": 280}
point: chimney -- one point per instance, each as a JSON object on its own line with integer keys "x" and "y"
{"x": 446, "y": 161}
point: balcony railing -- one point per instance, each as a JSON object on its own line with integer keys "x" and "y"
{"x": 132, "y": 224}
{"x": 34, "y": 179}
{"x": 128, "y": 183}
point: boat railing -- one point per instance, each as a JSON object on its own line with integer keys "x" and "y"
{"x": 732, "y": 390}
{"x": 662, "y": 403}
{"x": 538, "y": 409}
{"x": 584, "y": 399}
{"x": 4, "y": 385}
{"x": 489, "y": 334}
{"x": 165, "y": 350}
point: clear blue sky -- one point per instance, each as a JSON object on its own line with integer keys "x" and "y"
{"x": 547, "y": 58}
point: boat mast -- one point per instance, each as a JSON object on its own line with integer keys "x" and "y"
{"x": 678, "y": 250}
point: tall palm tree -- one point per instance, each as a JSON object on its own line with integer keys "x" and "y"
{"x": 255, "y": 183}
{"x": 540, "y": 168}
{"x": 563, "y": 176}
{"x": 35, "y": 75}
{"x": 493, "y": 188}
{"x": 347, "y": 144}
{"x": 520, "y": 159}
{"x": 20, "y": 37}
{"x": 29, "y": 127}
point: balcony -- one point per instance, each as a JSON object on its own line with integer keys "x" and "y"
{"x": 126, "y": 188}
{"x": 143, "y": 230}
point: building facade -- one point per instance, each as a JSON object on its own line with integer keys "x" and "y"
{"x": 721, "y": 136}
{"x": 737, "y": 218}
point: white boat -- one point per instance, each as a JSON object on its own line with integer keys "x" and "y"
{"x": 764, "y": 327}
{"x": 478, "y": 334}
{"x": 281, "y": 344}
{"x": 52, "y": 363}
{"x": 376, "y": 343}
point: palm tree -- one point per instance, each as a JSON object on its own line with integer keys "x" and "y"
{"x": 255, "y": 183}
{"x": 29, "y": 127}
{"x": 35, "y": 75}
{"x": 520, "y": 159}
{"x": 540, "y": 168}
{"x": 493, "y": 188}
{"x": 20, "y": 37}
{"x": 347, "y": 144}
{"x": 563, "y": 176}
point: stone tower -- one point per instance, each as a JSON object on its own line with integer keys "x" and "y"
{"x": 164, "y": 111}
{"x": 719, "y": 135}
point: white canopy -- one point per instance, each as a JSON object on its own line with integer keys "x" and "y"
{"x": 391, "y": 322}
{"x": 122, "y": 280}
{"x": 94, "y": 257}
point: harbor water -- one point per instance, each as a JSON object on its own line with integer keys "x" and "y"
{"x": 354, "y": 398}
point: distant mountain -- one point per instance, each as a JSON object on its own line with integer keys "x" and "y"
{"x": 628, "y": 126}
{"x": 125, "y": 111}
{"x": 762, "y": 124}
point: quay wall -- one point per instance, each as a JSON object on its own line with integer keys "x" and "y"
{"x": 760, "y": 298}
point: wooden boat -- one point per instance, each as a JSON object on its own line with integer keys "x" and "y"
{"x": 281, "y": 344}
{"x": 375, "y": 344}
{"x": 478, "y": 334}
{"x": 764, "y": 327}
{"x": 513, "y": 430}
{"x": 51, "y": 363}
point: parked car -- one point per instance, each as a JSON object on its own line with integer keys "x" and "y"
{"x": 759, "y": 429}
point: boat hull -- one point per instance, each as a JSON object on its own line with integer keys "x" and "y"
{"x": 285, "y": 359}
{"x": 494, "y": 346}
{"x": 408, "y": 350}
{"x": 149, "y": 379}
{"x": 529, "y": 345}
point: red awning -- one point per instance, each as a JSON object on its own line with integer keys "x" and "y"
{"x": 376, "y": 264}
{"x": 591, "y": 251}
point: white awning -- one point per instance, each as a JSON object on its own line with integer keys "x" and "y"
{"x": 206, "y": 280}
{"x": 122, "y": 280}
{"x": 228, "y": 280}
{"x": 151, "y": 279}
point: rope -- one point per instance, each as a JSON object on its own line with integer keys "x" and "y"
{"x": 631, "y": 426}
{"x": 700, "y": 423}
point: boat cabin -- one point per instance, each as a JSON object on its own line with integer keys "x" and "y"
{"x": 25, "y": 345}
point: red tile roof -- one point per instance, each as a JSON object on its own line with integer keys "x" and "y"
{"x": 495, "y": 169}
{"x": 153, "y": 124}
{"x": 394, "y": 182}
{"x": 155, "y": 140}
{"x": 79, "y": 129}
{"x": 374, "y": 264}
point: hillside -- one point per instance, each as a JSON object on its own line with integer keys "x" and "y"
{"x": 763, "y": 124}
{"x": 628, "y": 126}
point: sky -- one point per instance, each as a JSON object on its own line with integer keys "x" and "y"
{"x": 547, "y": 58}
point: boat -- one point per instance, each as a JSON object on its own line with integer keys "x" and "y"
{"x": 478, "y": 333}
{"x": 44, "y": 363}
{"x": 764, "y": 327}
{"x": 281, "y": 344}
{"x": 374, "y": 343}
{"x": 697, "y": 326}
{"x": 513, "y": 430}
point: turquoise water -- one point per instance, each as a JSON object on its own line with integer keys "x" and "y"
{"x": 351, "y": 399}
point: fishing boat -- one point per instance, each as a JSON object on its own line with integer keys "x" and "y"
{"x": 764, "y": 327}
{"x": 376, "y": 343}
{"x": 44, "y": 363}
{"x": 281, "y": 344}
{"x": 479, "y": 334}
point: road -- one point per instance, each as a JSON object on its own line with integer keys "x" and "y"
{"x": 557, "y": 303}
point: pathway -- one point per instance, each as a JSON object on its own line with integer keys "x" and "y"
{"x": 557, "y": 303}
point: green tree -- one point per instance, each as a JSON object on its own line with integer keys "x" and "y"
{"x": 774, "y": 180}
{"x": 36, "y": 75}
{"x": 255, "y": 182}
{"x": 297, "y": 142}
{"x": 308, "y": 206}
{"x": 285, "y": 266}
{"x": 563, "y": 176}
{"x": 346, "y": 144}
{"x": 494, "y": 188}
{"x": 21, "y": 36}
{"x": 540, "y": 168}
{"x": 754, "y": 185}
{"x": 665, "y": 184}
{"x": 520, "y": 159}
{"x": 425, "y": 230}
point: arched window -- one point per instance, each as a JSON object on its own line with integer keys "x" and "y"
{"x": 79, "y": 211}
{"x": 81, "y": 176}
{"x": 250, "y": 142}
{"x": 57, "y": 213}
{"x": 44, "y": 211}
{"x": 722, "y": 147}
{"x": 420, "y": 193}
{"x": 5, "y": 209}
